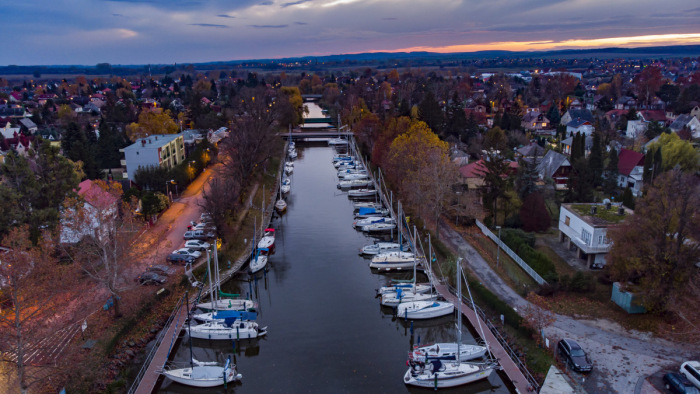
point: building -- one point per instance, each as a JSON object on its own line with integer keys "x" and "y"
{"x": 100, "y": 206}
{"x": 534, "y": 121}
{"x": 165, "y": 150}
{"x": 585, "y": 227}
{"x": 556, "y": 167}
{"x": 630, "y": 167}
{"x": 572, "y": 114}
{"x": 580, "y": 125}
{"x": 688, "y": 122}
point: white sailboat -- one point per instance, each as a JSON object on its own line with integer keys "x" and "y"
{"x": 378, "y": 227}
{"x": 204, "y": 374}
{"x": 268, "y": 239}
{"x": 394, "y": 299}
{"x": 448, "y": 351}
{"x": 435, "y": 373}
{"x": 424, "y": 309}
{"x": 281, "y": 205}
{"x": 412, "y": 287}
{"x": 227, "y": 302}
{"x": 361, "y": 193}
{"x": 380, "y": 247}
{"x": 258, "y": 260}
{"x": 220, "y": 330}
{"x": 393, "y": 261}
{"x": 223, "y": 315}
{"x": 359, "y": 223}
{"x": 347, "y": 184}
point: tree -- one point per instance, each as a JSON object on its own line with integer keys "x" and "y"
{"x": 290, "y": 106}
{"x": 656, "y": 249}
{"x": 496, "y": 139}
{"x": 219, "y": 199}
{"x": 35, "y": 293}
{"x": 429, "y": 112}
{"x": 79, "y": 146}
{"x": 153, "y": 203}
{"x": 654, "y": 129}
{"x": 495, "y": 174}
{"x": 534, "y": 214}
{"x": 595, "y": 159}
{"x": 456, "y": 118}
{"x": 628, "y": 198}
{"x": 675, "y": 152}
{"x": 537, "y": 315}
{"x": 611, "y": 173}
{"x": 152, "y": 123}
{"x": 647, "y": 83}
{"x": 108, "y": 145}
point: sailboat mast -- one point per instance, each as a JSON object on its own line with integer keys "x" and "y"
{"x": 189, "y": 327}
{"x": 459, "y": 309}
{"x": 211, "y": 288}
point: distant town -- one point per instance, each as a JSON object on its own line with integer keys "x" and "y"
{"x": 568, "y": 187}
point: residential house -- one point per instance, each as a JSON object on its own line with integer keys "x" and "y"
{"x": 556, "y": 167}
{"x": 572, "y": 114}
{"x": 534, "y": 121}
{"x": 625, "y": 102}
{"x": 630, "y": 167}
{"x": 530, "y": 152}
{"x": 653, "y": 116}
{"x": 91, "y": 107}
{"x": 99, "y": 205}
{"x": 8, "y": 131}
{"x": 580, "y": 125}
{"x": 28, "y": 126}
{"x": 636, "y": 128}
{"x": 585, "y": 227}
{"x": 473, "y": 173}
{"x": 695, "y": 112}
{"x": 165, "y": 150}
{"x": 686, "y": 121}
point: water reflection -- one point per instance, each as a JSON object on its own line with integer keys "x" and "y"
{"x": 326, "y": 329}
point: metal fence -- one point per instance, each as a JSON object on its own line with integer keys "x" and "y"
{"x": 156, "y": 345}
{"x": 534, "y": 275}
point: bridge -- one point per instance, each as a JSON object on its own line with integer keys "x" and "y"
{"x": 319, "y": 120}
{"x": 316, "y": 133}
{"x": 311, "y": 97}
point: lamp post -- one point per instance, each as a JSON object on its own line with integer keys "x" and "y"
{"x": 191, "y": 170}
{"x": 167, "y": 190}
{"x": 498, "y": 253}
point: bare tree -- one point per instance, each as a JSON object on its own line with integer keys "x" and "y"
{"x": 35, "y": 294}
{"x": 101, "y": 229}
{"x": 219, "y": 199}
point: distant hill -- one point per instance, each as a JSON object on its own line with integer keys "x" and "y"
{"x": 364, "y": 59}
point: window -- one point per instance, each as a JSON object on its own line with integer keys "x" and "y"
{"x": 586, "y": 236}
{"x": 567, "y": 220}
{"x": 692, "y": 371}
{"x": 600, "y": 239}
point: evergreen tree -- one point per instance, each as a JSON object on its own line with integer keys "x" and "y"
{"x": 553, "y": 115}
{"x": 456, "y": 119}
{"x": 534, "y": 214}
{"x": 471, "y": 129}
{"x": 611, "y": 173}
{"x": 628, "y": 198}
{"x": 575, "y": 147}
{"x": 429, "y": 112}
{"x": 595, "y": 160}
{"x": 648, "y": 166}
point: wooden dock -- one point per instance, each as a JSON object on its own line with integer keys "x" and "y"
{"x": 507, "y": 364}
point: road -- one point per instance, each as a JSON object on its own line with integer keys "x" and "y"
{"x": 620, "y": 356}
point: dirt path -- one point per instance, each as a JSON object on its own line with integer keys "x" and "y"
{"x": 620, "y": 356}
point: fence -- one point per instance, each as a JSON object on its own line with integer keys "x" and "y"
{"x": 512, "y": 254}
{"x": 157, "y": 344}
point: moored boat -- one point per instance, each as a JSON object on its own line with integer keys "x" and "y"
{"x": 424, "y": 309}
{"x": 378, "y": 227}
{"x": 268, "y": 239}
{"x": 204, "y": 374}
{"x": 393, "y": 261}
{"x": 394, "y": 299}
{"x": 348, "y": 184}
{"x": 380, "y": 247}
{"x": 218, "y": 330}
{"x": 360, "y": 193}
{"x": 448, "y": 351}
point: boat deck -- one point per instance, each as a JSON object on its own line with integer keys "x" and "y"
{"x": 509, "y": 367}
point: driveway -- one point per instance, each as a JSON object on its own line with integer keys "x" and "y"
{"x": 621, "y": 357}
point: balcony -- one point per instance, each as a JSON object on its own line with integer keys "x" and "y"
{"x": 122, "y": 162}
{"x": 577, "y": 240}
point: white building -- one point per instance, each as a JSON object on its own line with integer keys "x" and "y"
{"x": 585, "y": 227}
{"x": 165, "y": 150}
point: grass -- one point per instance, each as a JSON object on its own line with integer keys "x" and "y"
{"x": 508, "y": 269}
{"x": 609, "y": 215}
{"x": 563, "y": 268}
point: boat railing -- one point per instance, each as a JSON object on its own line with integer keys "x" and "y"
{"x": 158, "y": 342}
{"x": 502, "y": 340}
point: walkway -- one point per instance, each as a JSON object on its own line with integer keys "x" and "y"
{"x": 620, "y": 356}
{"x": 504, "y": 360}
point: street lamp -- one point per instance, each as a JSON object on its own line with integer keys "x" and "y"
{"x": 167, "y": 188}
{"x": 191, "y": 170}
{"x": 498, "y": 253}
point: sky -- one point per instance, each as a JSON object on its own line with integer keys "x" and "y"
{"x": 87, "y": 32}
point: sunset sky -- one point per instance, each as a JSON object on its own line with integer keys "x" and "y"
{"x": 191, "y": 31}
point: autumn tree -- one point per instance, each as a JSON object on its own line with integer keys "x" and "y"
{"x": 675, "y": 151}
{"x": 152, "y": 123}
{"x": 219, "y": 199}
{"x": 537, "y": 315}
{"x": 37, "y": 293}
{"x": 656, "y": 249}
{"x": 97, "y": 231}
{"x": 289, "y": 106}
{"x": 496, "y": 139}
{"x": 495, "y": 174}
{"x": 534, "y": 214}
{"x": 647, "y": 83}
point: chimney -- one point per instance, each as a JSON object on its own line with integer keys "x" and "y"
{"x": 156, "y": 138}
{"x": 594, "y": 210}
{"x": 621, "y": 211}
{"x": 608, "y": 205}
{"x": 143, "y": 142}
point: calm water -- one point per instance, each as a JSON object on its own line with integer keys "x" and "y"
{"x": 326, "y": 330}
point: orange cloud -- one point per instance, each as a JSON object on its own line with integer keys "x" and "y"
{"x": 635, "y": 41}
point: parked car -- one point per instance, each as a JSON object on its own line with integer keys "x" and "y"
{"x": 161, "y": 269}
{"x": 690, "y": 369}
{"x": 204, "y": 226}
{"x": 151, "y": 278}
{"x": 180, "y": 258}
{"x": 205, "y": 217}
{"x": 188, "y": 252}
{"x": 199, "y": 234}
{"x": 197, "y": 244}
{"x": 574, "y": 356}
{"x": 677, "y": 383}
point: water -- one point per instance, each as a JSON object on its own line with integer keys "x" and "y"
{"x": 315, "y": 111}
{"x": 326, "y": 330}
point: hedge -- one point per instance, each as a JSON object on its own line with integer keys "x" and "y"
{"x": 522, "y": 243}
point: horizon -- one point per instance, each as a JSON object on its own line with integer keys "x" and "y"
{"x": 88, "y": 32}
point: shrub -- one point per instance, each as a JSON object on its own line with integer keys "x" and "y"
{"x": 522, "y": 243}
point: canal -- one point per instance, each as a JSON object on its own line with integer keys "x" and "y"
{"x": 326, "y": 330}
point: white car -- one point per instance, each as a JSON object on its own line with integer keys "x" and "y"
{"x": 188, "y": 252}
{"x": 202, "y": 226}
{"x": 196, "y": 244}
{"x": 205, "y": 217}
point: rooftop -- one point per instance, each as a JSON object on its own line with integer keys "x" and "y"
{"x": 152, "y": 142}
{"x": 603, "y": 215}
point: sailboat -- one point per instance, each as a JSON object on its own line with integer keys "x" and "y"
{"x": 436, "y": 373}
{"x": 202, "y": 374}
{"x": 227, "y": 329}
{"x": 281, "y": 205}
{"x": 258, "y": 260}
{"x": 227, "y": 302}
{"x": 393, "y": 299}
{"x": 380, "y": 247}
{"x": 223, "y": 315}
{"x": 397, "y": 260}
{"x": 268, "y": 240}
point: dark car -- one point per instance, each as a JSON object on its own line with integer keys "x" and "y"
{"x": 180, "y": 258}
{"x": 677, "y": 383}
{"x": 574, "y": 356}
{"x": 161, "y": 269}
{"x": 151, "y": 278}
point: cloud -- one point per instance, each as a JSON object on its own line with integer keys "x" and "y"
{"x": 209, "y": 25}
{"x": 389, "y": 19}
{"x": 117, "y": 15}
{"x": 301, "y": 23}
{"x": 225, "y": 16}
{"x": 266, "y": 3}
{"x": 285, "y": 5}
{"x": 269, "y": 26}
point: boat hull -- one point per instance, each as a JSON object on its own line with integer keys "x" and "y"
{"x": 448, "y": 351}
{"x": 201, "y": 376}
{"x": 453, "y": 376}
{"x": 215, "y": 332}
{"x": 392, "y": 299}
{"x": 258, "y": 264}
{"x": 420, "y": 288}
{"x": 424, "y": 309}
{"x": 227, "y": 305}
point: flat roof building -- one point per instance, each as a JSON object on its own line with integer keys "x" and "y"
{"x": 164, "y": 150}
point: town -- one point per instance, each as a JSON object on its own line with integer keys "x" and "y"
{"x": 566, "y": 189}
